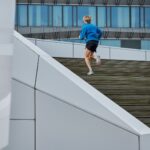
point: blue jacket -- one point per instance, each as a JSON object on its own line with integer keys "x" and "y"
{"x": 90, "y": 32}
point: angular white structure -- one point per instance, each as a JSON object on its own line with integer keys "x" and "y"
{"x": 52, "y": 108}
{"x": 7, "y": 13}
{"x": 75, "y": 50}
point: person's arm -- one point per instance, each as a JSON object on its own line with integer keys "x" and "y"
{"x": 99, "y": 32}
{"x": 82, "y": 35}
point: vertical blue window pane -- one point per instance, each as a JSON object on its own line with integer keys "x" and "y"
{"x": 86, "y": 11}
{"x": 57, "y": 16}
{"x": 35, "y": 15}
{"x": 145, "y": 44}
{"x": 38, "y": 15}
{"x": 50, "y": 15}
{"x": 67, "y": 16}
{"x": 108, "y": 16}
{"x": 16, "y": 15}
{"x": 22, "y": 15}
{"x": 135, "y": 18}
{"x": 115, "y": 43}
{"x": 120, "y": 17}
{"x": 102, "y": 16}
{"x": 147, "y": 17}
{"x": 142, "y": 17}
{"x": 75, "y": 16}
{"x": 44, "y": 15}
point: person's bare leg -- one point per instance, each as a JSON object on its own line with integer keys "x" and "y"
{"x": 97, "y": 58}
{"x": 87, "y": 56}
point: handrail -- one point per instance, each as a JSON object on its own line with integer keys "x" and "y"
{"x": 78, "y": 43}
{"x": 108, "y": 52}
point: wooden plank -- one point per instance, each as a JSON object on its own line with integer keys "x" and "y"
{"x": 127, "y": 83}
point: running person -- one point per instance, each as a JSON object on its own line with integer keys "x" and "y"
{"x": 92, "y": 35}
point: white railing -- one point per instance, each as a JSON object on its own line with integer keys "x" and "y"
{"x": 63, "y": 101}
{"x": 75, "y": 50}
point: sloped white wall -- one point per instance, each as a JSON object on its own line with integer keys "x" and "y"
{"x": 7, "y": 13}
{"x": 23, "y": 59}
{"x": 67, "y": 127}
{"x": 65, "y": 113}
{"x": 60, "y": 82}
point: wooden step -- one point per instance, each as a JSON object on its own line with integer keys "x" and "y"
{"x": 131, "y": 100}
{"x": 122, "y": 91}
{"x": 127, "y": 83}
{"x": 145, "y": 120}
{"x": 138, "y": 111}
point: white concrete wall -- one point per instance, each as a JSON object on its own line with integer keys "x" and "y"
{"x": 21, "y": 135}
{"x": 70, "y": 128}
{"x": 55, "y": 109}
{"x": 22, "y": 106}
{"x": 22, "y": 126}
{"x": 127, "y": 54}
{"x": 148, "y": 55}
{"x": 64, "y": 49}
{"x": 76, "y": 50}
{"x": 7, "y": 13}
{"x": 4, "y": 120}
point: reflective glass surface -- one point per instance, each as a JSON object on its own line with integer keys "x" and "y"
{"x": 67, "y": 16}
{"x": 38, "y": 15}
{"x": 21, "y": 16}
{"x": 86, "y": 11}
{"x": 116, "y": 43}
{"x": 57, "y": 16}
{"x": 34, "y": 15}
{"x": 44, "y": 15}
{"x": 108, "y": 17}
{"x": 135, "y": 17}
{"x": 120, "y": 17}
{"x": 147, "y": 17}
{"x": 50, "y": 12}
{"x": 101, "y": 16}
{"x": 74, "y": 16}
{"x": 141, "y": 17}
{"x": 145, "y": 44}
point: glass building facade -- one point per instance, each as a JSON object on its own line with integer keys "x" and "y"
{"x": 70, "y": 16}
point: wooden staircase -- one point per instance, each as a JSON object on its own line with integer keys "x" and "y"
{"x": 127, "y": 83}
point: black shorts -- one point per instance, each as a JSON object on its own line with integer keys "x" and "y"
{"x": 92, "y": 45}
